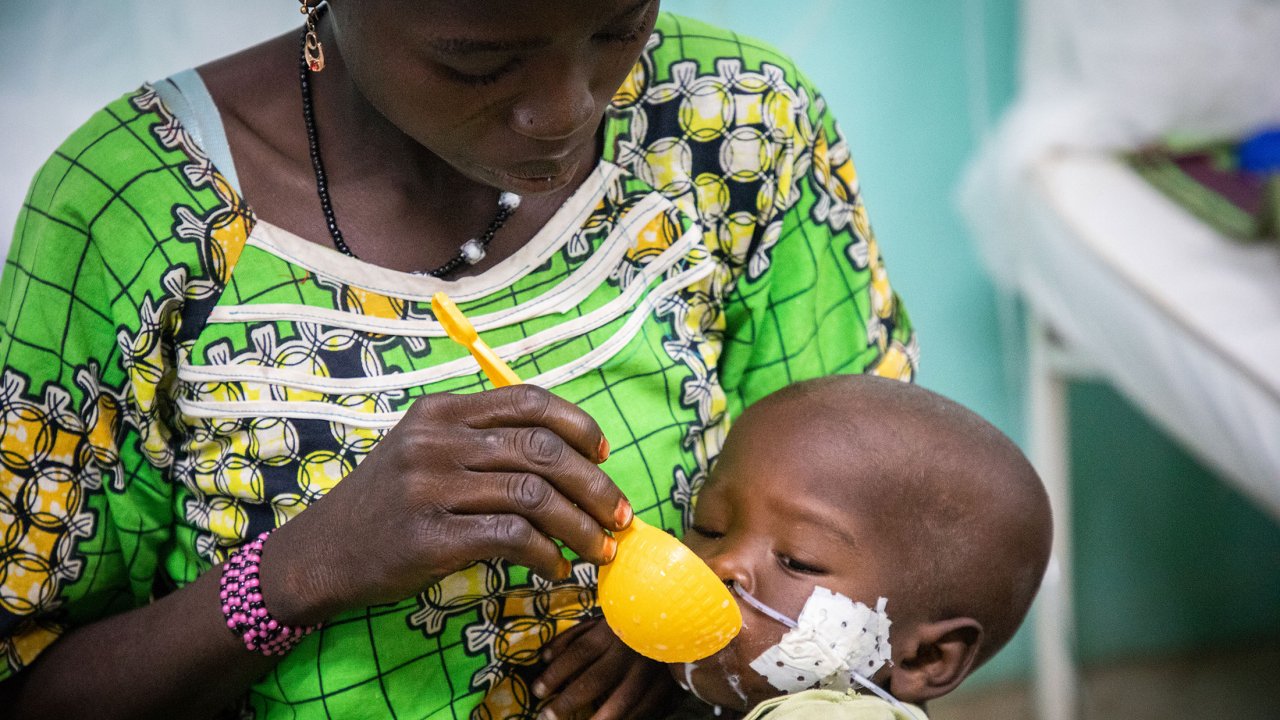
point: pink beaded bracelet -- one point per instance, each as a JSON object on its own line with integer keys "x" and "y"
{"x": 244, "y": 609}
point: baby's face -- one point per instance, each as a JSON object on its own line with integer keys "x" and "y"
{"x": 780, "y": 517}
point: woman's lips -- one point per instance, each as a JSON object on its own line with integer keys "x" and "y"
{"x": 536, "y": 176}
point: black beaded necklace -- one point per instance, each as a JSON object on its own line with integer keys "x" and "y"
{"x": 470, "y": 253}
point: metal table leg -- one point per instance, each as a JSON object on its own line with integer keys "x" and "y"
{"x": 1056, "y": 682}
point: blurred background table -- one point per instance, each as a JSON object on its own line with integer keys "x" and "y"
{"x": 1122, "y": 283}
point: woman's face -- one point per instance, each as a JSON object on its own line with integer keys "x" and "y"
{"x": 511, "y": 94}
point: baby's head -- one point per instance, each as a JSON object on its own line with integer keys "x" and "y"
{"x": 872, "y": 489}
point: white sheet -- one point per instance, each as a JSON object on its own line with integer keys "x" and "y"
{"x": 1112, "y": 74}
{"x": 1186, "y": 323}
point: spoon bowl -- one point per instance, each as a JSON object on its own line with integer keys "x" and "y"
{"x": 663, "y": 601}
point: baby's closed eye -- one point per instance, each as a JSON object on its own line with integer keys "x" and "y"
{"x": 798, "y": 566}
{"x": 706, "y": 532}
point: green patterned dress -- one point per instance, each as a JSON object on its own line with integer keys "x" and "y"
{"x": 179, "y": 376}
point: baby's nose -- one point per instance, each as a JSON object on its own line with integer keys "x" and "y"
{"x": 731, "y": 570}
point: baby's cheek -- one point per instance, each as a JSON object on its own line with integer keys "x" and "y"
{"x": 757, "y": 635}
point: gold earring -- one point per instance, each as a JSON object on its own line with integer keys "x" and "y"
{"x": 312, "y": 50}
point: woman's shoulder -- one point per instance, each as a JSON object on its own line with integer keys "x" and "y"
{"x": 112, "y": 142}
{"x": 129, "y": 155}
{"x": 131, "y": 191}
{"x": 700, "y": 40}
{"x": 712, "y": 48}
{"x": 700, "y": 86}
{"x": 710, "y": 110}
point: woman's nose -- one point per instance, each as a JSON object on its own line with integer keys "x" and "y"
{"x": 557, "y": 105}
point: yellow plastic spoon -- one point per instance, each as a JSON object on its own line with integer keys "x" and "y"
{"x": 659, "y": 597}
{"x": 460, "y": 330}
{"x": 663, "y": 601}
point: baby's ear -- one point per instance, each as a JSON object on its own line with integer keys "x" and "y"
{"x": 933, "y": 658}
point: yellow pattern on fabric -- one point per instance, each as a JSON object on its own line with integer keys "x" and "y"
{"x": 50, "y": 455}
{"x": 45, "y": 447}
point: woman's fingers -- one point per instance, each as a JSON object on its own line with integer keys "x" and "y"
{"x": 532, "y": 406}
{"x": 460, "y": 478}
{"x": 539, "y": 450}
{"x": 534, "y": 498}
{"x": 527, "y": 429}
{"x": 547, "y": 454}
{"x": 514, "y": 538}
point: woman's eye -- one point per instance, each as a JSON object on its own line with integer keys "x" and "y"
{"x": 794, "y": 565}
{"x": 623, "y": 36}
{"x": 706, "y": 532}
{"x": 485, "y": 78}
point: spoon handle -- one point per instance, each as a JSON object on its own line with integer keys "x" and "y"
{"x": 461, "y": 331}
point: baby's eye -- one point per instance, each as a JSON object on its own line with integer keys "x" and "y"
{"x": 705, "y": 532}
{"x": 794, "y": 565}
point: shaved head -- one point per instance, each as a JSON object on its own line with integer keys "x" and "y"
{"x": 963, "y": 510}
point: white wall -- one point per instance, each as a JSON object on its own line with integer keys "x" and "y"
{"x": 61, "y": 60}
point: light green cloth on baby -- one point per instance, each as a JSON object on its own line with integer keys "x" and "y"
{"x": 832, "y": 705}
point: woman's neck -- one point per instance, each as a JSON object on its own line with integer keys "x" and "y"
{"x": 397, "y": 203}
{"x": 361, "y": 146}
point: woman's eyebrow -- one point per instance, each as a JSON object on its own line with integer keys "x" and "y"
{"x": 471, "y": 46}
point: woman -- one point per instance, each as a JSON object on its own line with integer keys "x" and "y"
{"x": 217, "y": 325}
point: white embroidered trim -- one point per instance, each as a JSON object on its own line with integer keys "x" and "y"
{"x": 599, "y": 317}
{"x": 332, "y": 264}
{"x": 567, "y": 294}
{"x": 560, "y": 375}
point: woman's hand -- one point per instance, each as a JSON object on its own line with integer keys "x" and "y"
{"x": 588, "y": 666}
{"x": 461, "y": 478}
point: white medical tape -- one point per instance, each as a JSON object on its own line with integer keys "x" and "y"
{"x": 836, "y": 643}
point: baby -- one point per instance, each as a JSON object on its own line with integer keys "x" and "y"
{"x": 842, "y": 506}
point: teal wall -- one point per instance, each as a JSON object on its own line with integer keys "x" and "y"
{"x": 1168, "y": 557}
